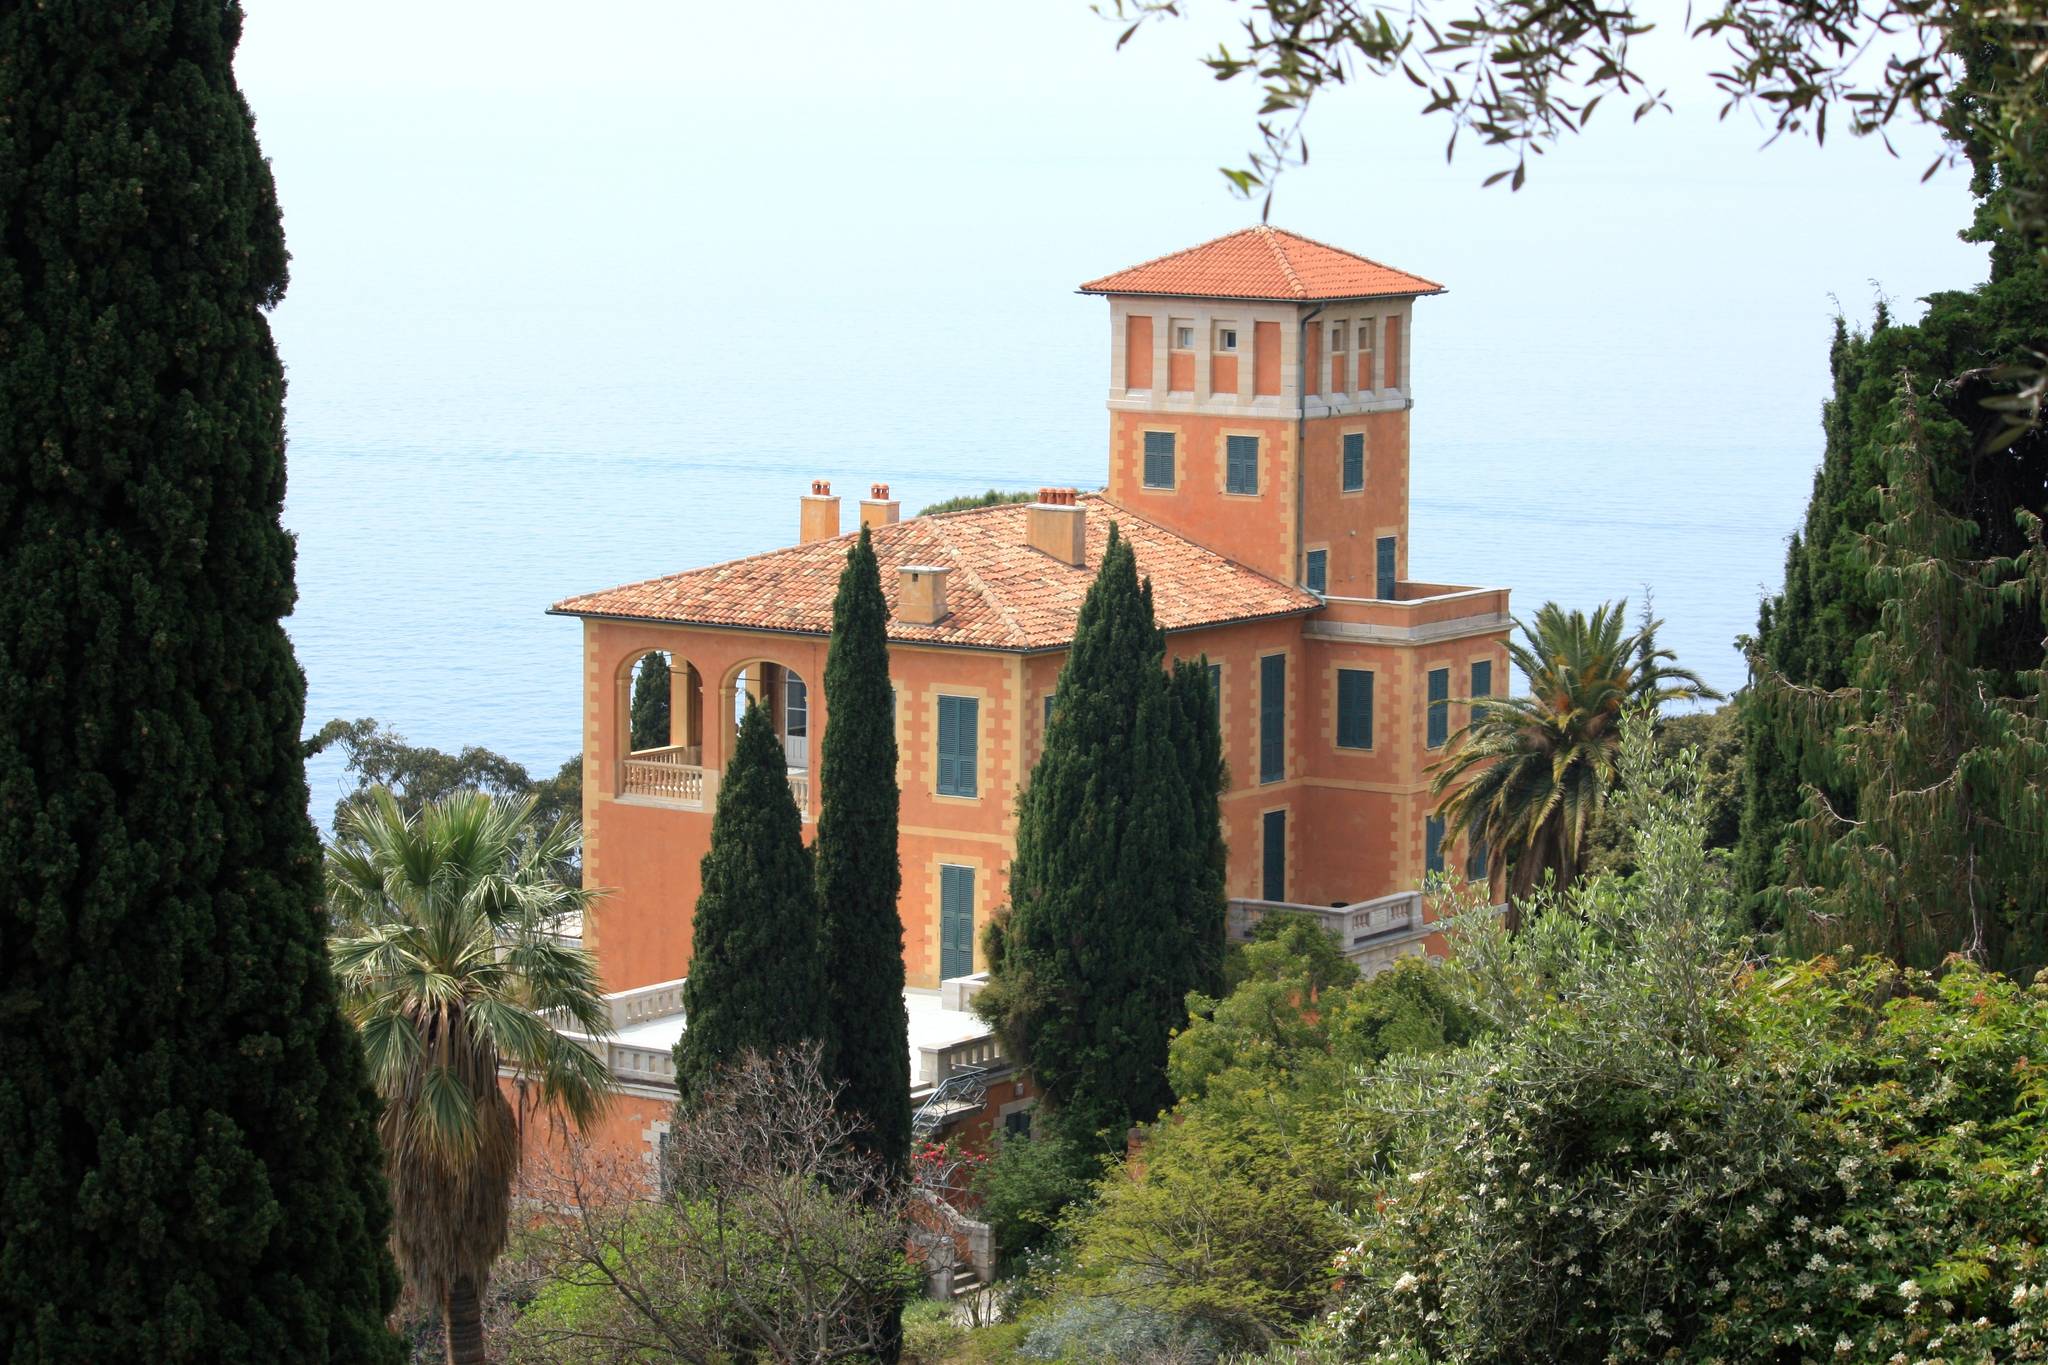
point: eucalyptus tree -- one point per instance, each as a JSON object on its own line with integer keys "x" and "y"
{"x": 455, "y": 970}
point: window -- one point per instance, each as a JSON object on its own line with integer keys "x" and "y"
{"x": 1354, "y": 462}
{"x": 1354, "y": 708}
{"x": 1475, "y": 859}
{"x": 1226, "y": 338}
{"x": 1017, "y": 1123}
{"x": 1439, "y": 707}
{"x": 1433, "y": 844}
{"x": 1337, "y": 335}
{"x": 1183, "y": 335}
{"x": 956, "y": 921}
{"x": 1158, "y": 459}
{"x": 1216, "y": 692}
{"x": 1482, "y": 678}
{"x": 796, "y": 713}
{"x": 1273, "y": 855}
{"x": 959, "y": 727}
{"x": 1383, "y": 554}
{"x": 1240, "y": 464}
{"x": 1366, "y": 378}
{"x": 1272, "y": 718}
{"x": 1318, "y": 575}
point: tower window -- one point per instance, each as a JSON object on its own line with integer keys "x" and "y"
{"x": 1366, "y": 378}
{"x": 1337, "y": 335}
{"x": 1272, "y": 717}
{"x": 1438, "y": 730}
{"x": 1433, "y": 843}
{"x": 1354, "y": 462}
{"x": 1317, "y": 573}
{"x": 1158, "y": 459}
{"x": 1354, "y": 708}
{"x": 1226, "y": 338}
{"x": 1183, "y": 335}
{"x": 1383, "y": 569}
{"x": 1240, "y": 464}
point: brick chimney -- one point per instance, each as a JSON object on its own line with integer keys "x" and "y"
{"x": 921, "y": 594}
{"x": 878, "y": 508}
{"x": 820, "y": 519}
{"x": 1056, "y": 526}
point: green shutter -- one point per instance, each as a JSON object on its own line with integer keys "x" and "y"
{"x": 958, "y": 723}
{"x": 1273, "y": 837}
{"x": 1354, "y": 462}
{"x": 1439, "y": 707}
{"x": 1433, "y": 843}
{"x": 1475, "y": 859}
{"x": 1384, "y": 553}
{"x": 956, "y": 921}
{"x": 1272, "y": 718}
{"x": 1354, "y": 708}
{"x": 1318, "y": 571}
{"x": 1241, "y": 464}
{"x": 1159, "y": 459}
{"x": 1482, "y": 678}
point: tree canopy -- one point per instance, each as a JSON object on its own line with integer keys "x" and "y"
{"x": 188, "y": 1155}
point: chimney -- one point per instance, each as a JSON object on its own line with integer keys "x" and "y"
{"x": 921, "y": 594}
{"x": 820, "y": 520}
{"x": 878, "y": 508}
{"x": 1056, "y": 525}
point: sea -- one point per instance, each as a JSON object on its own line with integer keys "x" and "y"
{"x": 546, "y": 335}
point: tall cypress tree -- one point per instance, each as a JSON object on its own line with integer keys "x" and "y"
{"x": 1198, "y": 739}
{"x": 650, "y": 702}
{"x": 756, "y": 977}
{"x": 859, "y": 875}
{"x": 1113, "y": 894}
{"x": 188, "y": 1165}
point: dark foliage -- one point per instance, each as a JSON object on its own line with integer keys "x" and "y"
{"x": 650, "y": 702}
{"x": 1116, "y": 898}
{"x": 756, "y": 974}
{"x": 189, "y": 1167}
{"x": 859, "y": 875}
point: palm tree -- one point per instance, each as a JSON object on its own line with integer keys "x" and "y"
{"x": 450, "y": 964}
{"x": 1530, "y": 774}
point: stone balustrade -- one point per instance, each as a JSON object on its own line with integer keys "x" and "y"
{"x": 675, "y": 774}
{"x": 934, "y": 1064}
{"x": 1373, "y": 934}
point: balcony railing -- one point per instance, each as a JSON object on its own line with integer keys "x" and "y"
{"x": 673, "y": 774}
{"x": 677, "y": 775}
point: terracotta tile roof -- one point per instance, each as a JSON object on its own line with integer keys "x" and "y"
{"x": 1002, "y": 594}
{"x": 1263, "y": 263}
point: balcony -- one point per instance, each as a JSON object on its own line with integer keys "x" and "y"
{"x": 1417, "y": 614}
{"x": 1374, "y": 934}
{"x": 676, "y": 776}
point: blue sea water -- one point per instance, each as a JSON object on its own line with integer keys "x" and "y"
{"x": 551, "y": 334}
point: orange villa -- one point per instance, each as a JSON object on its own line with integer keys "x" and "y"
{"x": 1259, "y": 405}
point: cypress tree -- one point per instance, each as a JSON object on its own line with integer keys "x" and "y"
{"x": 650, "y": 703}
{"x": 1808, "y": 634}
{"x": 1198, "y": 739}
{"x": 1113, "y": 893}
{"x": 189, "y": 1167}
{"x": 756, "y": 979}
{"x": 859, "y": 875}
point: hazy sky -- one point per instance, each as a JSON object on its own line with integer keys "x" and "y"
{"x": 843, "y": 239}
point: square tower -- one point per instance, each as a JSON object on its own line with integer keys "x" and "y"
{"x": 1258, "y": 399}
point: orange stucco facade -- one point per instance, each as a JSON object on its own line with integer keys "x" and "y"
{"x": 1291, "y": 460}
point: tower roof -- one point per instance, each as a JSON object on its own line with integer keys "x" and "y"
{"x": 1263, "y": 263}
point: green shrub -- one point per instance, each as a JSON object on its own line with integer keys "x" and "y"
{"x": 1106, "y": 1329}
{"x": 1025, "y": 1188}
{"x": 1668, "y": 1153}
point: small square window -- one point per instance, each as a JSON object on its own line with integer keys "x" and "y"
{"x": 1183, "y": 337}
{"x": 1226, "y": 338}
{"x": 1337, "y": 335}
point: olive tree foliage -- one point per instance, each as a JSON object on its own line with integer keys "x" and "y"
{"x": 773, "y": 1234}
{"x": 417, "y": 775}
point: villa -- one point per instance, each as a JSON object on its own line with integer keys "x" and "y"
{"x": 1259, "y": 397}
